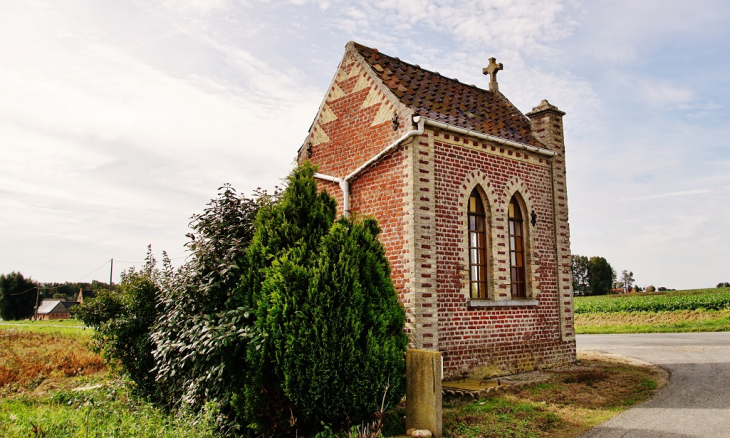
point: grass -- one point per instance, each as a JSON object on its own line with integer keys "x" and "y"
{"x": 70, "y": 327}
{"x": 29, "y": 358}
{"x": 108, "y": 411}
{"x": 572, "y": 400}
{"x": 51, "y": 385}
{"x": 681, "y": 321}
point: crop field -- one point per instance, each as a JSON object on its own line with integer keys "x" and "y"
{"x": 706, "y": 299}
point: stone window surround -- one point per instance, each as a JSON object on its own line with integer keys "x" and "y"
{"x": 484, "y": 187}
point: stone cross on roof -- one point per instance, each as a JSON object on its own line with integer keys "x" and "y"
{"x": 492, "y": 70}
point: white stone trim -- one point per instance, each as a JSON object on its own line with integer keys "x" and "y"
{"x": 517, "y": 186}
{"x": 490, "y": 199}
{"x": 503, "y": 303}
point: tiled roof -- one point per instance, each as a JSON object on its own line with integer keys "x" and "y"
{"x": 69, "y": 304}
{"x": 449, "y": 101}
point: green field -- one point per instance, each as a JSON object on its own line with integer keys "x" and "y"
{"x": 696, "y": 310}
{"x": 59, "y": 326}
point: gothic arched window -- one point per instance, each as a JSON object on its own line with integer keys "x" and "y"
{"x": 516, "y": 250}
{"x": 477, "y": 246}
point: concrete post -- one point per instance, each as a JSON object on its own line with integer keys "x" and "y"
{"x": 423, "y": 390}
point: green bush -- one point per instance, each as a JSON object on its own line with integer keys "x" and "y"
{"x": 329, "y": 314}
{"x": 280, "y": 323}
{"x": 122, "y": 320}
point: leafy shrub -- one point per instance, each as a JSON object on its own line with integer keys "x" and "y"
{"x": 330, "y": 315}
{"x": 204, "y": 328}
{"x": 122, "y": 320}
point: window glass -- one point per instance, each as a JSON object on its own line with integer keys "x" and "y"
{"x": 477, "y": 247}
{"x": 516, "y": 251}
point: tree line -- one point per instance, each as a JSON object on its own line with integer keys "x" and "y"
{"x": 592, "y": 276}
{"x": 18, "y": 294}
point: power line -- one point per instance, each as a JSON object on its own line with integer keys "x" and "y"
{"x": 25, "y": 291}
{"x": 145, "y": 261}
{"x": 105, "y": 263}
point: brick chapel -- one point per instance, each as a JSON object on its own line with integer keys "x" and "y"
{"x": 471, "y": 197}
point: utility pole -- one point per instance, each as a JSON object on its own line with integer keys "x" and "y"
{"x": 111, "y": 271}
{"x": 37, "y": 293}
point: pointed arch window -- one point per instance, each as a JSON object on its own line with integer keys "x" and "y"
{"x": 516, "y": 250}
{"x": 477, "y": 246}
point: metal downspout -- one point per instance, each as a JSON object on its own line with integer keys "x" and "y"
{"x": 345, "y": 182}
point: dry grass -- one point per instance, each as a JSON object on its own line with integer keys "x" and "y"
{"x": 28, "y": 358}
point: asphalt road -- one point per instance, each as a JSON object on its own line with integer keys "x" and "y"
{"x": 695, "y": 402}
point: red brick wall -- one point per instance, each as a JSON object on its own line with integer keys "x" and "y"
{"x": 352, "y": 138}
{"x": 507, "y": 338}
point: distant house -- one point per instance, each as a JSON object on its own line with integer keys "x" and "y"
{"x": 85, "y": 294}
{"x": 55, "y": 309}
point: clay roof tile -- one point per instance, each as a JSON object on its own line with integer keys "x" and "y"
{"x": 447, "y": 100}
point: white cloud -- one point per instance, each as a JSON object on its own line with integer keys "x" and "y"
{"x": 662, "y": 93}
{"x": 119, "y": 120}
{"x": 95, "y": 132}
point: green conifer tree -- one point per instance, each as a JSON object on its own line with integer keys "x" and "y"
{"x": 329, "y": 315}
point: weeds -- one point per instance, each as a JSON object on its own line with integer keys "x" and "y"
{"x": 110, "y": 411}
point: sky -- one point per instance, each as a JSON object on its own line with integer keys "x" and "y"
{"x": 119, "y": 120}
